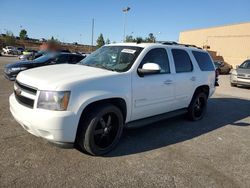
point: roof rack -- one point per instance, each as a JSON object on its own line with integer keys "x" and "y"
{"x": 175, "y": 43}
{"x": 168, "y": 42}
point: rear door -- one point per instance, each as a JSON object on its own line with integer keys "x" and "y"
{"x": 184, "y": 78}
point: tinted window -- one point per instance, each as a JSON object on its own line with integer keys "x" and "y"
{"x": 204, "y": 61}
{"x": 44, "y": 58}
{"x": 245, "y": 65}
{"x": 74, "y": 59}
{"x": 158, "y": 56}
{"x": 182, "y": 61}
{"x": 62, "y": 59}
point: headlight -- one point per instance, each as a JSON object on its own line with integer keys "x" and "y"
{"x": 234, "y": 72}
{"x": 17, "y": 69}
{"x": 53, "y": 100}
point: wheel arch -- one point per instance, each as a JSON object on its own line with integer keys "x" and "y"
{"x": 202, "y": 88}
{"x": 117, "y": 101}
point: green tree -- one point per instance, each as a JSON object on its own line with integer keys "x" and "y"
{"x": 107, "y": 41}
{"x": 100, "y": 41}
{"x": 139, "y": 39}
{"x": 129, "y": 38}
{"x": 9, "y": 39}
{"x": 53, "y": 40}
{"x": 151, "y": 38}
{"x": 23, "y": 34}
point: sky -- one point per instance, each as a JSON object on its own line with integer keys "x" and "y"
{"x": 70, "y": 21}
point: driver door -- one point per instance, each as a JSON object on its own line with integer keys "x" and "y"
{"x": 153, "y": 94}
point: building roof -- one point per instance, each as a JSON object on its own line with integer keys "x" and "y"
{"x": 212, "y": 27}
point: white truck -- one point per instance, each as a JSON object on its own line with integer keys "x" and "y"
{"x": 117, "y": 86}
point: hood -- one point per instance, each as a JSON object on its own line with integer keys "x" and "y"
{"x": 19, "y": 64}
{"x": 54, "y": 76}
{"x": 243, "y": 71}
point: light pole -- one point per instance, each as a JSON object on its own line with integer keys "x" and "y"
{"x": 92, "y": 34}
{"x": 125, "y": 11}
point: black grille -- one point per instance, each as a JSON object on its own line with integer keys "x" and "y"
{"x": 26, "y": 88}
{"x": 24, "y": 100}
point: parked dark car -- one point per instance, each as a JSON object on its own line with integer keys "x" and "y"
{"x": 11, "y": 70}
{"x": 223, "y": 67}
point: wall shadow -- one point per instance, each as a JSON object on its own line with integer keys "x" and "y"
{"x": 221, "y": 112}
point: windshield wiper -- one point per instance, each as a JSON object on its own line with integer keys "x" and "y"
{"x": 103, "y": 67}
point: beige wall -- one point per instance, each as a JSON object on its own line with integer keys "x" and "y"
{"x": 232, "y": 42}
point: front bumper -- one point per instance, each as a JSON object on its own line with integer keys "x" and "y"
{"x": 240, "y": 81}
{"x": 54, "y": 126}
{"x": 10, "y": 76}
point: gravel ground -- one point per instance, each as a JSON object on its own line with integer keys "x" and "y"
{"x": 214, "y": 152}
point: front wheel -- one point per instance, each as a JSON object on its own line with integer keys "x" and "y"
{"x": 198, "y": 106}
{"x": 100, "y": 131}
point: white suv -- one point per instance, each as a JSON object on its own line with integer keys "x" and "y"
{"x": 117, "y": 86}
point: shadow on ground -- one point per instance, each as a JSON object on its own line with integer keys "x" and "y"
{"x": 221, "y": 112}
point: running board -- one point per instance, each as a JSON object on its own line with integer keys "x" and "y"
{"x": 153, "y": 119}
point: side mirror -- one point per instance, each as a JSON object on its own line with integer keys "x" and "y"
{"x": 149, "y": 68}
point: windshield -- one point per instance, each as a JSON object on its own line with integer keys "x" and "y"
{"x": 115, "y": 58}
{"x": 245, "y": 65}
{"x": 45, "y": 58}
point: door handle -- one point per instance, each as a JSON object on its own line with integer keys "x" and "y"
{"x": 168, "y": 82}
{"x": 193, "y": 78}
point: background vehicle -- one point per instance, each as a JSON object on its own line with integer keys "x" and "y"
{"x": 223, "y": 67}
{"x": 8, "y": 49}
{"x": 18, "y": 51}
{"x": 11, "y": 70}
{"x": 241, "y": 75}
{"x": 31, "y": 56}
{"x": 28, "y": 51}
{"x": 13, "y": 50}
{"x": 117, "y": 86}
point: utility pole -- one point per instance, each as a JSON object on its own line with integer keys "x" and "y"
{"x": 125, "y": 11}
{"x": 92, "y": 35}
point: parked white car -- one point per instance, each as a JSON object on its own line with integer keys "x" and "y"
{"x": 8, "y": 49}
{"x": 13, "y": 50}
{"x": 117, "y": 86}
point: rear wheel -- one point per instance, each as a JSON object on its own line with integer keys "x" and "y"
{"x": 101, "y": 130}
{"x": 198, "y": 106}
{"x": 233, "y": 85}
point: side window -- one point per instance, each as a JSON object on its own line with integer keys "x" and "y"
{"x": 182, "y": 61}
{"x": 74, "y": 59}
{"x": 245, "y": 65}
{"x": 248, "y": 65}
{"x": 62, "y": 59}
{"x": 158, "y": 56}
{"x": 204, "y": 61}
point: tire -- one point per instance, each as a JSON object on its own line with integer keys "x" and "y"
{"x": 101, "y": 130}
{"x": 198, "y": 106}
{"x": 233, "y": 85}
{"x": 220, "y": 72}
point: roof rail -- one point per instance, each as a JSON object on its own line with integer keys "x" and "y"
{"x": 168, "y": 42}
{"x": 190, "y": 45}
{"x": 175, "y": 43}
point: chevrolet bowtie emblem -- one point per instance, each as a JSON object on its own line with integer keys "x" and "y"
{"x": 18, "y": 91}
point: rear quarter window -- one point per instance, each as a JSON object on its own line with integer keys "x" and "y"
{"x": 204, "y": 61}
{"x": 182, "y": 61}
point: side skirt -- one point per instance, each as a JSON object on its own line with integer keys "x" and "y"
{"x": 153, "y": 119}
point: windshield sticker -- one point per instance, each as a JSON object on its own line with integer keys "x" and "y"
{"x": 128, "y": 51}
